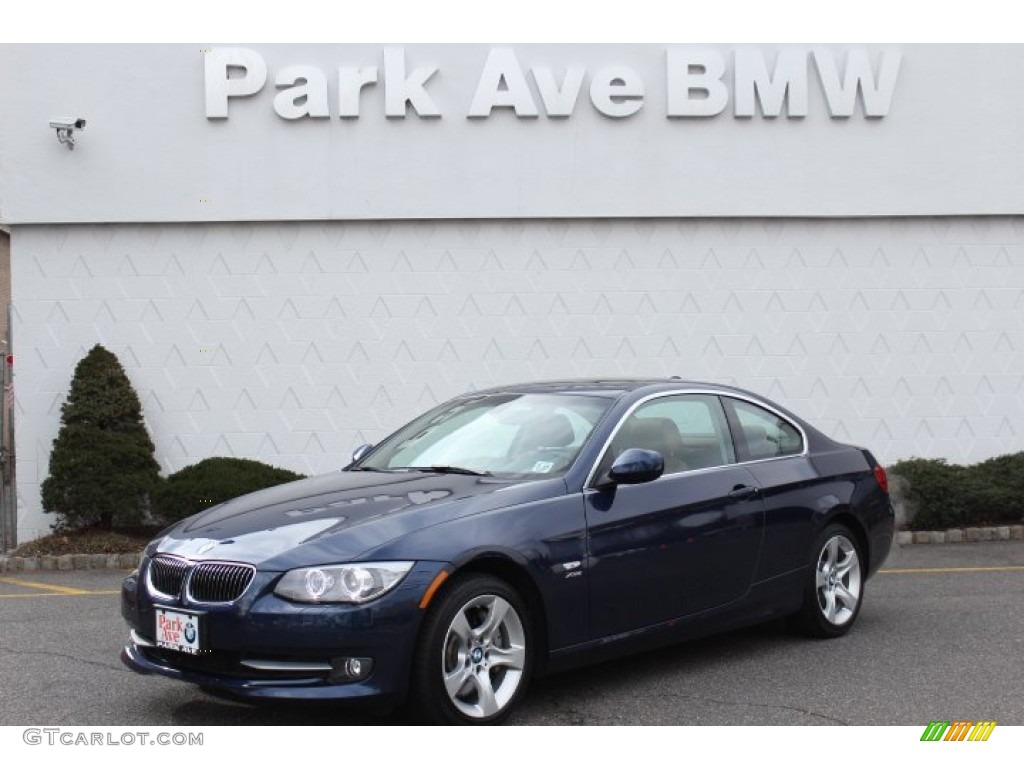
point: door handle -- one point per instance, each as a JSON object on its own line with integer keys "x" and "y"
{"x": 743, "y": 491}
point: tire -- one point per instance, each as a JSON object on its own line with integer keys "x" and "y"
{"x": 834, "y": 590}
{"x": 473, "y": 660}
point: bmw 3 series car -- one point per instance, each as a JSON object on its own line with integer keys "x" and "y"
{"x": 510, "y": 533}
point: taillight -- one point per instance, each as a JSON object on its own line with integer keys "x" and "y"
{"x": 881, "y": 477}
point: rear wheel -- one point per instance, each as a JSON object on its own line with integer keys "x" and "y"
{"x": 834, "y": 588}
{"x": 473, "y": 661}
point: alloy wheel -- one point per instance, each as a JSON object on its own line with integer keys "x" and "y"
{"x": 483, "y": 656}
{"x": 837, "y": 580}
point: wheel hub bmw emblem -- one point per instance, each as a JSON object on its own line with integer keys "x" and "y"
{"x": 477, "y": 655}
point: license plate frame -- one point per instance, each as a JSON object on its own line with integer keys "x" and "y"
{"x": 178, "y": 630}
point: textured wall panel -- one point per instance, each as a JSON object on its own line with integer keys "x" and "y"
{"x": 293, "y": 343}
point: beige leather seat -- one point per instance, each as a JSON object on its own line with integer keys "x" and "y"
{"x": 658, "y": 434}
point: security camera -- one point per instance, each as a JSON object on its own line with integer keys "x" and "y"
{"x": 66, "y": 127}
{"x": 68, "y": 123}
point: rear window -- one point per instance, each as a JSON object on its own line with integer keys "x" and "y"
{"x": 763, "y": 433}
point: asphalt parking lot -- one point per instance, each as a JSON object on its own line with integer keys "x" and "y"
{"x": 940, "y": 636}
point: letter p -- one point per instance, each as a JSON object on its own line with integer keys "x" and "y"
{"x": 220, "y": 85}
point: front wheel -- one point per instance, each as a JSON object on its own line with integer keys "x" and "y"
{"x": 835, "y": 585}
{"x": 473, "y": 659}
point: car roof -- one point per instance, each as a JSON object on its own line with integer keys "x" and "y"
{"x": 614, "y": 388}
{"x": 610, "y": 387}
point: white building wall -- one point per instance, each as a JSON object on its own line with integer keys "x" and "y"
{"x": 948, "y": 144}
{"x": 294, "y": 342}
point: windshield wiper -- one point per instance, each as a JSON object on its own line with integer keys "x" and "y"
{"x": 443, "y": 469}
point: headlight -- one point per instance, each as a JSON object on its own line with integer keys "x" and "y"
{"x": 353, "y": 583}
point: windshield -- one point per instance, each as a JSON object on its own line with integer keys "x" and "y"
{"x": 494, "y": 434}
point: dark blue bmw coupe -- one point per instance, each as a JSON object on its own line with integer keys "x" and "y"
{"x": 509, "y": 533}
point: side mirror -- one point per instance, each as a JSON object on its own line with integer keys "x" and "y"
{"x": 637, "y": 465}
{"x": 361, "y": 451}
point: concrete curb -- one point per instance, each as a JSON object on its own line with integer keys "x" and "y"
{"x": 961, "y": 535}
{"x": 118, "y": 562}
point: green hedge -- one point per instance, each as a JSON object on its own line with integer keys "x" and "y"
{"x": 940, "y": 495}
{"x": 212, "y": 481}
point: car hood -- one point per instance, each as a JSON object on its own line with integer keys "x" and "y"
{"x": 338, "y": 516}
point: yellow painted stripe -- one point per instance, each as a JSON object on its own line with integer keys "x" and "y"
{"x": 42, "y": 585}
{"x": 979, "y": 569}
{"x": 81, "y": 593}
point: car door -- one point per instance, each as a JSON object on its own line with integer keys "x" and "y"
{"x": 774, "y": 449}
{"x": 683, "y": 543}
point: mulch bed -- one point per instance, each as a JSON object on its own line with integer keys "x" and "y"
{"x": 89, "y": 541}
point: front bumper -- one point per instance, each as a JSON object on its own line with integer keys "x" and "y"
{"x": 265, "y": 647}
{"x": 309, "y": 688}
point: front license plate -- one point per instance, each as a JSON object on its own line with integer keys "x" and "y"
{"x": 177, "y": 630}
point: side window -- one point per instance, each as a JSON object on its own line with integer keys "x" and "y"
{"x": 689, "y": 431}
{"x": 764, "y": 434}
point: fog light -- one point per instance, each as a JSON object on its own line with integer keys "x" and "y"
{"x": 350, "y": 670}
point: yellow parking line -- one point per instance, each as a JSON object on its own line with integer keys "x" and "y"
{"x": 80, "y": 593}
{"x": 979, "y": 569}
{"x": 42, "y": 585}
